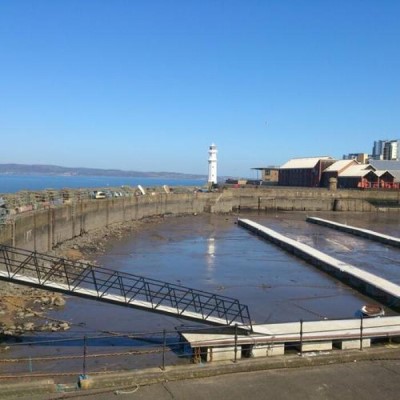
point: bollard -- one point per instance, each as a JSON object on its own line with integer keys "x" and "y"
{"x": 85, "y": 382}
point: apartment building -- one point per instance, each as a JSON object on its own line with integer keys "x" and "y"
{"x": 386, "y": 150}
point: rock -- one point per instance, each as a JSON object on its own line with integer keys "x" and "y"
{"x": 28, "y": 326}
{"x": 64, "y": 326}
{"x": 58, "y": 301}
{"x": 45, "y": 300}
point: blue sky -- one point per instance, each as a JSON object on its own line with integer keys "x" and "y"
{"x": 148, "y": 85}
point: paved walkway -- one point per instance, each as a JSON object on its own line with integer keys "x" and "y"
{"x": 371, "y": 374}
{"x": 367, "y": 380}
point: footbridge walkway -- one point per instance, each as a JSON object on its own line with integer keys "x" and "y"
{"x": 97, "y": 283}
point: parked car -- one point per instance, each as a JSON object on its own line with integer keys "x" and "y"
{"x": 99, "y": 195}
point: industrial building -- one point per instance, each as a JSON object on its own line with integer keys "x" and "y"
{"x": 304, "y": 171}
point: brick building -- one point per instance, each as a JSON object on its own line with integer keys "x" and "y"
{"x": 304, "y": 171}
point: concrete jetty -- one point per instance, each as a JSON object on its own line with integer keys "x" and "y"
{"x": 374, "y": 286}
{"x": 268, "y": 340}
{"x": 365, "y": 233}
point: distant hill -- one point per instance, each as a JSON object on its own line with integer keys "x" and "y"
{"x": 22, "y": 169}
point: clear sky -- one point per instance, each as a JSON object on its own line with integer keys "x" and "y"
{"x": 148, "y": 85}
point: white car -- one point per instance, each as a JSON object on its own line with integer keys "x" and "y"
{"x": 99, "y": 195}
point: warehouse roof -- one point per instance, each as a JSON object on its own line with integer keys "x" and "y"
{"x": 379, "y": 173}
{"x": 340, "y": 165}
{"x": 396, "y": 175}
{"x": 358, "y": 170}
{"x": 309, "y": 162}
{"x": 385, "y": 165}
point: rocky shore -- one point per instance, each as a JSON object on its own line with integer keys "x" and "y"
{"x": 24, "y": 309}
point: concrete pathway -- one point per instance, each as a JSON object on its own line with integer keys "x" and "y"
{"x": 367, "y": 380}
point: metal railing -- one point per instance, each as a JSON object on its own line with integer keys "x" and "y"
{"x": 72, "y": 353}
{"x": 89, "y": 281}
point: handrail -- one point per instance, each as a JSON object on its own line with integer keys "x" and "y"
{"x": 103, "y": 284}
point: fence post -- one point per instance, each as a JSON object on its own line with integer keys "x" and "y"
{"x": 301, "y": 337}
{"x": 84, "y": 356}
{"x": 361, "y": 332}
{"x": 236, "y": 339}
{"x": 164, "y": 346}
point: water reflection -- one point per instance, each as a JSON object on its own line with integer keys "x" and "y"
{"x": 211, "y": 248}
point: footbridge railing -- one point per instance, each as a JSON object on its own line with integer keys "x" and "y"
{"x": 103, "y": 284}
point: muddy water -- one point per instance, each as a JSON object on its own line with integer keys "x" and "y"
{"x": 212, "y": 253}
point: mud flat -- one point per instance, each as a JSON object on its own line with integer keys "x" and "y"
{"x": 25, "y": 309}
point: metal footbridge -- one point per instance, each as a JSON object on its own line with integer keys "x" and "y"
{"x": 46, "y": 272}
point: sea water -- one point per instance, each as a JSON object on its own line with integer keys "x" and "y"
{"x": 15, "y": 183}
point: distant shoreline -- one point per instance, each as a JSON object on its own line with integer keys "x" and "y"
{"x": 38, "y": 174}
{"x": 55, "y": 170}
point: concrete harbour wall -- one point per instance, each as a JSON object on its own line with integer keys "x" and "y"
{"x": 315, "y": 199}
{"x": 43, "y": 229}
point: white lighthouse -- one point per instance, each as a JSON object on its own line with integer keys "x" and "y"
{"x": 212, "y": 165}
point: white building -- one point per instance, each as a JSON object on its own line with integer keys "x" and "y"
{"x": 212, "y": 164}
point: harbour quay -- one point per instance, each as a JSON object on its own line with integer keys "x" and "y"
{"x": 365, "y": 233}
{"x": 267, "y": 340}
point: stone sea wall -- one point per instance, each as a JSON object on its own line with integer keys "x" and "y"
{"x": 315, "y": 199}
{"x": 43, "y": 229}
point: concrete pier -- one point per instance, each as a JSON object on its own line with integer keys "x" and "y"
{"x": 372, "y": 285}
{"x": 365, "y": 233}
{"x": 268, "y": 340}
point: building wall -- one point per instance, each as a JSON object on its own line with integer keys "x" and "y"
{"x": 270, "y": 175}
{"x": 307, "y": 177}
